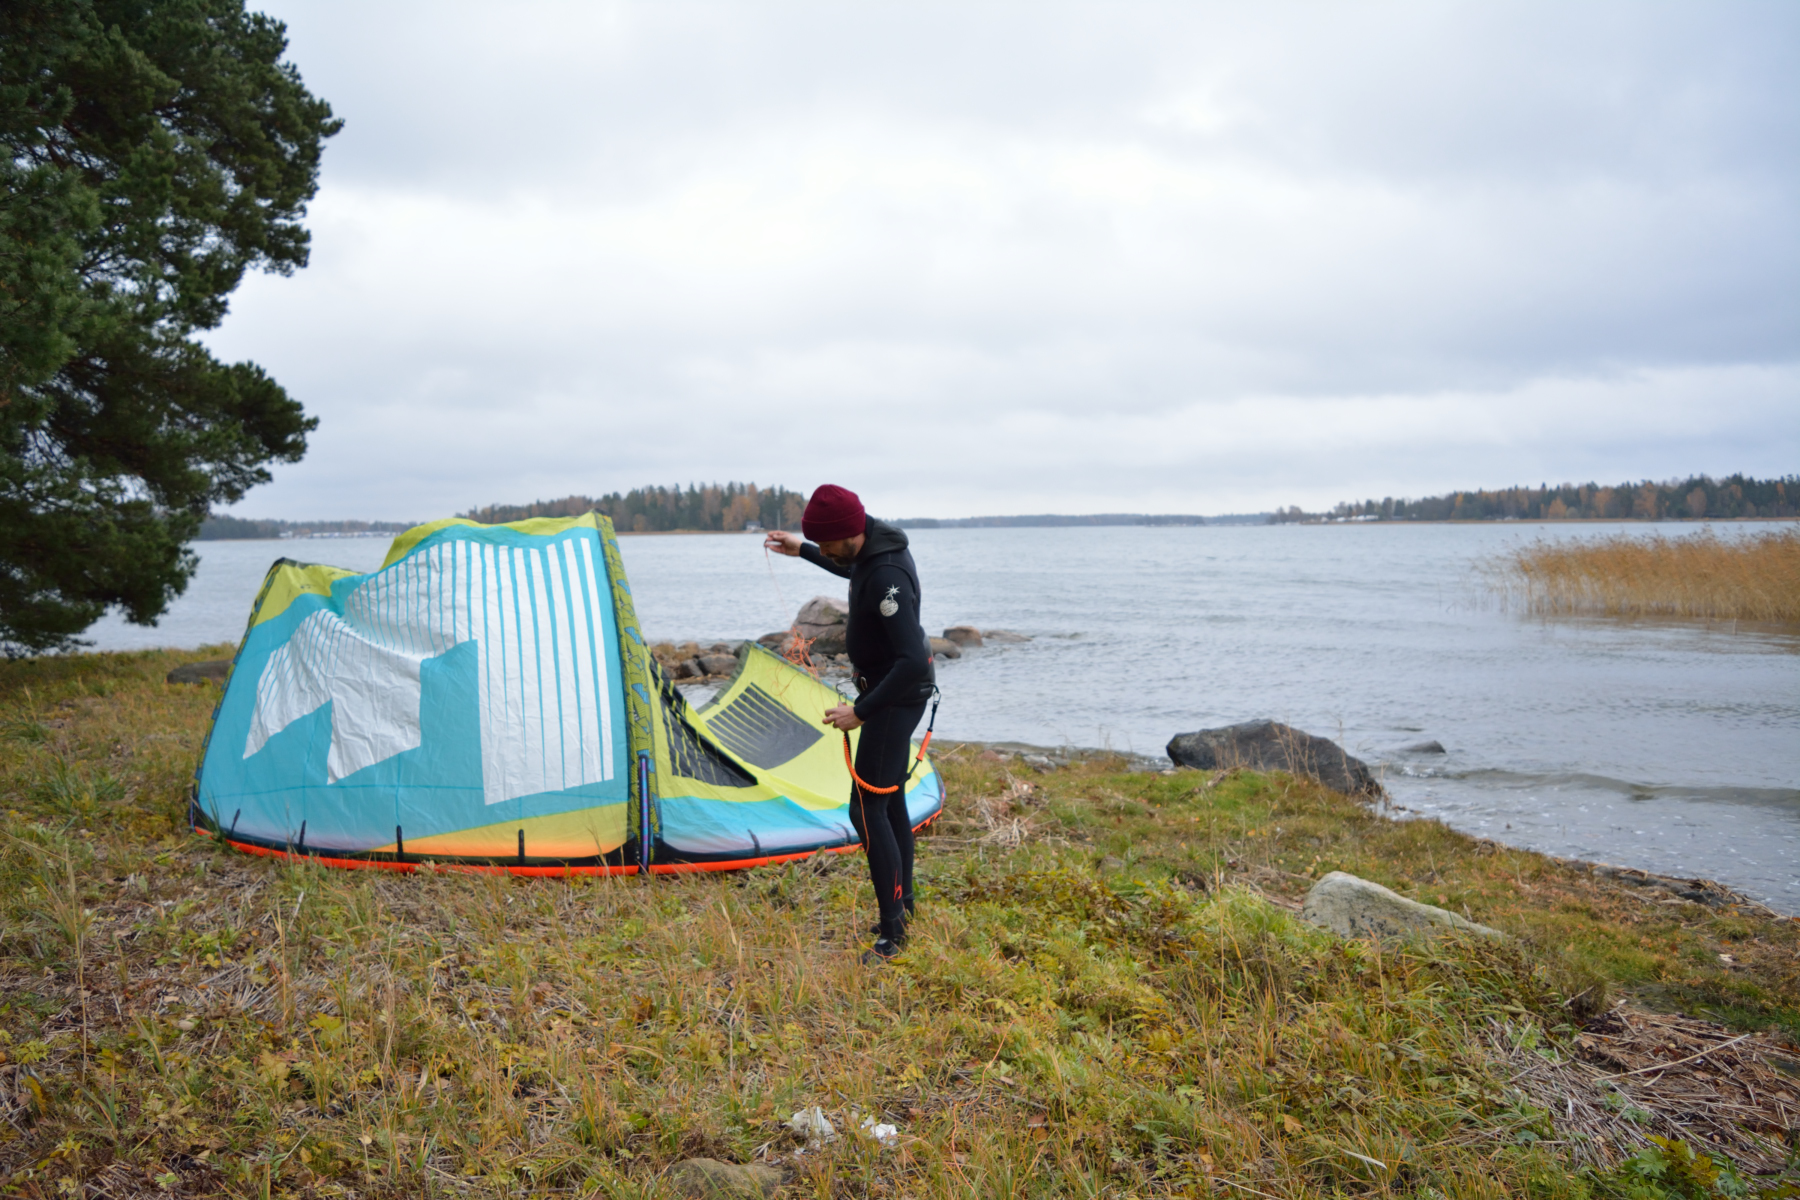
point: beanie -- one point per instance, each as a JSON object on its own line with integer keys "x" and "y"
{"x": 833, "y": 513}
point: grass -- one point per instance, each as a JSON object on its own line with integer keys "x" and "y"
{"x": 1754, "y": 578}
{"x": 1107, "y": 994}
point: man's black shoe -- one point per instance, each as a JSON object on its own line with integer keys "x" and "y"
{"x": 883, "y": 950}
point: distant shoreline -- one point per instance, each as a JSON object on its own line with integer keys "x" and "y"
{"x": 1076, "y": 523}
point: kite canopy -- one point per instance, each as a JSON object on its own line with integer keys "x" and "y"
{"x": 485, "y": 699}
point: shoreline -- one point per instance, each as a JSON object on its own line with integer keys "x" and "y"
{"x": 1541, "y": 522}
{"x": 1708, "y": 892}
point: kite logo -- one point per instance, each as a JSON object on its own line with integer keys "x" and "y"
{"x": 889, "y": 605}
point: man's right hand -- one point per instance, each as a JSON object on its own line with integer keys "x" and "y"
{"x": 783, "y": 542}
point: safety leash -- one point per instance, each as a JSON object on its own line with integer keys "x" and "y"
{"x": 850, "y": 764}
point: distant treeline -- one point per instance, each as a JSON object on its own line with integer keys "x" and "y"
{"x": 696, "y": 508}
{"x": 1048, "y": 519}
{"x": 216, "y": 528}
{"x": 1694, "y": 498}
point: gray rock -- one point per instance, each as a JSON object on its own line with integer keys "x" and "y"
{"x": 212, "y": 671}
{"x": 687, "y": 668}
{"x": 718, "y": 664}
{"x": 1003, "y": 636}
{"x": 964, "y": 635}
{"x": 1038, "y": 762}
{"x": 821, "y": 621}
{"x": 1272, "y": 746}
{"x": 1431, "y": 747}
{"x": 774, "y": 640}
{"x": 1355, "y": 908}
{"x": 824, "y": 610}
{"x": 944, "y": 648}
{"x": 710, "y": 1179}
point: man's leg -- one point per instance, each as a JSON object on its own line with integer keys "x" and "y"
{"x": 882, "y": 751}
{"x": 900, "y": 821}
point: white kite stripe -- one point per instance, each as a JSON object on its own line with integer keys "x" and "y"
{"x": 543, "y": 691}
{"x": 598, "y": 605}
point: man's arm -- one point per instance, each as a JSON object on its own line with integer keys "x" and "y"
{"x": 905, "y": 635}
{"x": 794, "y": 546}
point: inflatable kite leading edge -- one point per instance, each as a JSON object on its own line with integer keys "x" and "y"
{"x": 485, "y": 700}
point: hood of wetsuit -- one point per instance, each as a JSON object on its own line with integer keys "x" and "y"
{"x": 881, "y": 538}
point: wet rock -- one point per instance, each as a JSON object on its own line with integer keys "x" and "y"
{"x": 1272, "y": 746}
{"x": 964, "y": 635}
{"x": 1431, "y": 747}
{"x": 1003, "y": 636}
{"x": 944, "y": 648}
{"x": 212, "y": 671}
{"x": 710, "y": 1179}
{"x": 718, "y": 664}
{"x": 1356, "y": 908}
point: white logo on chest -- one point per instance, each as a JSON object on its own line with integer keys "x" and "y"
{"x": 889, "y": 605}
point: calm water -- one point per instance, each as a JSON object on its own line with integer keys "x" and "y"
{"x": 1674, "y": 748}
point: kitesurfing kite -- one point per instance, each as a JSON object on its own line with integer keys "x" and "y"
{"x": 485, "y": 700}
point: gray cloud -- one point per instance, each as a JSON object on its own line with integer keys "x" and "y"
{"x": 1006, "y": 257}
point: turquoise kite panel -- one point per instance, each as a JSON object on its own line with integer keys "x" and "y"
{"x": 474, "y": 681}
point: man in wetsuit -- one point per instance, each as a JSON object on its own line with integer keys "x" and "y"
{"x": 894, "y": 680}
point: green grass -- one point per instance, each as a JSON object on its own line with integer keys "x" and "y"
{"x": 1109, "y": 1008}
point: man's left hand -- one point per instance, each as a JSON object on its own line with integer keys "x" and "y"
{"x": 842, "y": 717}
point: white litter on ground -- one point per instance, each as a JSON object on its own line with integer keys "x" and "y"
{"x": 810, "y": 1123}
{"x": 887, "y": 1135}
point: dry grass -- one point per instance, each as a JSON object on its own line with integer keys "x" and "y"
{"x": 1106, "y": 995}
{"x": 1671, "y": 1075}
{"x": 1755, "y": 578}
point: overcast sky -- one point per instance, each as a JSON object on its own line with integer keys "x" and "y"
{"x": 1003, "y": 258}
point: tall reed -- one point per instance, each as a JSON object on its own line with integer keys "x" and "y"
{"x": 1755, "y": 578}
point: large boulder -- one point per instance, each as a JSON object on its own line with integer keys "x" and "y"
{"x": 718, "y": 664}
{"x": 710, "y": 1179}
{"x": 1272, "y": 746}
{"x": 821, "y": 621}
{"x": 1356, "y": 908}
{"x": 964, "y": 635}
{"x": 944, "y": 648}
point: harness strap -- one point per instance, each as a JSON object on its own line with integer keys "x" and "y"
{"x": 860, "y": 781}
{"x": 849, "y": 763}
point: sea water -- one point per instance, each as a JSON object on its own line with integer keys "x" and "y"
{"x": 1670, "y": 746}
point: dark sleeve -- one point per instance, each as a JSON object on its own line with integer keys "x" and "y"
{"x": 811, "y": 554}
{"x": 912, "y": 653}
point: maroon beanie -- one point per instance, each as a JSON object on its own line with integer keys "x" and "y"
{"x": 833, "y": 513}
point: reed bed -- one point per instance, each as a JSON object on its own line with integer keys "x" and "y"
{"x": 1701, "y": 576}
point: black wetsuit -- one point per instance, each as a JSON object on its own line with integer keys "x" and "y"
{"x": 894, "y": 677}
